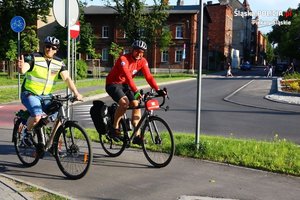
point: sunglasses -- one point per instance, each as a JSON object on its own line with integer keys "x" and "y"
{"x": 51, "y": 47}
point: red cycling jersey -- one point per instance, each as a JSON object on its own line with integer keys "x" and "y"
{"x": 125, "y": 70}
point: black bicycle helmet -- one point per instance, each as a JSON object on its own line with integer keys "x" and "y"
{"x": 52, "y": 41}
{"x": 139, "y": 44}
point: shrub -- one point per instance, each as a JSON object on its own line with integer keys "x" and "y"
{"x": 81, "y": 67}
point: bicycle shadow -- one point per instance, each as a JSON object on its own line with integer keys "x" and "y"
{"x": 18, "y": 169}
{"x": 101, "y": 159}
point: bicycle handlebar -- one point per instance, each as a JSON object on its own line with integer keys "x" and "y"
{"x": 66, "y": 98}
{"x": 151, "y": 94}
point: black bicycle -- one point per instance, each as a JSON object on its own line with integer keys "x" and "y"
{"x": 158, "y": 141}
{"x": 66, "y": 140}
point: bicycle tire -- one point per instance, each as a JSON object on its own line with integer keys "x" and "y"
{"x": 158, "y": 145}
{"x": 28, "y": 155}
{"x": 111, "y": 147}
{"x": 72, "y": 150}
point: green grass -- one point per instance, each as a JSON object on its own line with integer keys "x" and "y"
{"x": 279, "y": 155}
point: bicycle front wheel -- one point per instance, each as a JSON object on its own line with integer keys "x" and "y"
{"x": 158, "y": 145}
{"x": 27, "y": 154}
{"x": 111, "y": 147}
{"x": 72, "y": 150}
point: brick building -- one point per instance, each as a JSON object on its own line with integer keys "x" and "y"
{"x": 219, "y": 35}
{"x": 182, "y": 22}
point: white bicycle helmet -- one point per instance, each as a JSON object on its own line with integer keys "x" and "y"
{"x": 52, "y": 41}
{"x": 139, "y": 44}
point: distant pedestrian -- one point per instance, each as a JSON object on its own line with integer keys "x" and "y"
{"x": 269, "y": 70}
{"x": 229, "y": 73}
{"x": 290, "y": 69}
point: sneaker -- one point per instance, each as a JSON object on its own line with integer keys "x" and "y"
{"x": 137, "y": 140}
{"x": 27, "y": 139}
{"x": 115, "y": 134}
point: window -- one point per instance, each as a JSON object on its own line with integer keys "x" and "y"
{"x": 241, "y": 36}
{"x": 179, "y": 32}
{"x": 105, "y": 54}
{"x": 126, "y": 51}
{"x": 178, "y": 55}
{"x": 104, "y": 31}
{"x": 142, "y": 32}
{"x": 89, "y": 57}
{"x": 164, "y": 56}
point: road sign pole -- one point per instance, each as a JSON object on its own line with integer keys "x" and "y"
{"x": 199, "y": 85}
{"x": 18, "y": 24}
{"x": 19, "y": 55}
{"x": 68, "y": 47}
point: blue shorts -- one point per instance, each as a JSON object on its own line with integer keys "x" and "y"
{"x": 35, "y": 104}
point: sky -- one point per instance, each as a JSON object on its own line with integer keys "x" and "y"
{"x": 258, "y": 6}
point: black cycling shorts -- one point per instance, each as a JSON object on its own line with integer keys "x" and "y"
{"x": 117, "y": 91}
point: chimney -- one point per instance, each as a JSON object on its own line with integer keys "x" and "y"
{"x": 180, "y": 2}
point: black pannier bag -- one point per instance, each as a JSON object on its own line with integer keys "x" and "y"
{"x": 100, "y": 116}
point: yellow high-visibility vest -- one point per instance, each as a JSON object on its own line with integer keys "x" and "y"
{"x": 41, "y": 79}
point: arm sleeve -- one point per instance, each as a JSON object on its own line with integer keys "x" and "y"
{"x": 124, "y": 68}
{"x": 148, "y": 76}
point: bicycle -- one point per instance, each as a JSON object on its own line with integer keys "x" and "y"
{"x": 66, "y": 140}
{"x": 158, "y": 141}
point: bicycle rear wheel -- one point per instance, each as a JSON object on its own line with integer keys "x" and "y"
{"x": 111, "y": 147}
{"x": 158, "y": 145}
{"x": 72, "y": 150}
{"x": 27, "y": 154}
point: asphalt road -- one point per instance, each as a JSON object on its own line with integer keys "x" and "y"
{"x": 226, "y": 108}
{"x": 130, "y": 176}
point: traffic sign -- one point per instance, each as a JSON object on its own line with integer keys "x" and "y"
{"x": 60, "y": 11}
{"x": 17, "y": 24}
{"x": 75, "y": 30}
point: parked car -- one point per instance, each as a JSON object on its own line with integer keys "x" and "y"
{"x": 246, "y": 66}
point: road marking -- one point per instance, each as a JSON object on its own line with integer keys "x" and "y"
{"x": 184, "y": 197}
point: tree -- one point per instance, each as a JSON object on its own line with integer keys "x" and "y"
{"x": 29, "y": 40}
{"x": 115, "y": 50}
{"x": 11, "y": 56}
{"x": 146, "y": 23}
{"x": 287, "y": 36}
{"x": 269, "y": 52}
{"x": 140, "y": 22}
{"x": 29, "y": 10}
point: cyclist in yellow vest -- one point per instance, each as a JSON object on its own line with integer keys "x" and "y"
{"x": 42, "y": 70}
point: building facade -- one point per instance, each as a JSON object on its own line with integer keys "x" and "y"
{"x": 219, "y": 35}
{"x": 183, "y": 22}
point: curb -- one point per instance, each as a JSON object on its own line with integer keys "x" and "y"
{"x": 274, "y": 97}
{"x": 25, "y": 196}
{"x": 283, "y": 97}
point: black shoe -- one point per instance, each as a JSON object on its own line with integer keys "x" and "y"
{"x": 138, "y": 140}
{"x": 115, "y": 134}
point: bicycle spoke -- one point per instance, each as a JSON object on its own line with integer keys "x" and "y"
{"x": 158, "y": 143}
{"x": 74, "y": 154}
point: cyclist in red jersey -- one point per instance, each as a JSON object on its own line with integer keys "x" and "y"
{"x": 121, "y": 87}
